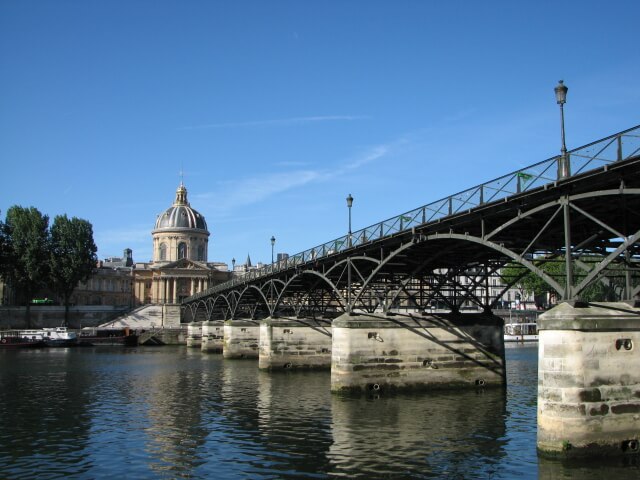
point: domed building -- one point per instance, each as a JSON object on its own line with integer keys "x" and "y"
{"x": 180, "y": 266}
{"x": 180, "y": 232}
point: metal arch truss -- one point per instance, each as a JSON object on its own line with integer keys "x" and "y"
{"x": 588, "y": 226}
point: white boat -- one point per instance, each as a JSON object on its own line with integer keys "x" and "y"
{"x": 521, "y": 332}
{"x": 52, "y": 337}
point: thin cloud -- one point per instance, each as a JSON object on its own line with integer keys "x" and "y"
{"x": 291, "y": 164}
{"x": 278, "y": 122}
{"x": 369, "y": 156}
{"x": 253, "y": 190}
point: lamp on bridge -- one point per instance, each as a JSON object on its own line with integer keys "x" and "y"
{"x": 349, "y": 204}
{"x": 273, "y": 243}
{"x": 233, "y": 264}
{"x": 564, "y": 169}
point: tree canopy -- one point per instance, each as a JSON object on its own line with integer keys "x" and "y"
{"x": 72, "y": 256}
{"x": 34, "y": 256}
{"x": 4, "y": 246}
{"x": 26, "y": 251}
{"x": 608, "y": 287}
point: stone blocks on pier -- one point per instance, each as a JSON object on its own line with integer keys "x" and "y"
{"x": 589, "y": 380}
{"x": 417, "y": 352}
{"x": 241, "y": 338}
{"x": 212, "y": 337}
{"x": 194, "y": 334}
{"x": 293, "y": 343}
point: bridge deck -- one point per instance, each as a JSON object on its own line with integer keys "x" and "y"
{"x": 518, "y": 217}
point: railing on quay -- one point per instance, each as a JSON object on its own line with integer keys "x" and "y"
{"x": 615, "y": 148}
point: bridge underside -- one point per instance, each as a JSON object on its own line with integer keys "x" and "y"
{"x": 587, "y": 225}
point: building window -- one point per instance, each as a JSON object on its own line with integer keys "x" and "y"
{"x": 163, "y": 251}
{"x": 201, "y": 253}
{"x": 182, "y": 250}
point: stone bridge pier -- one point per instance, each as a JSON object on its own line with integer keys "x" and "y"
{"x": 295, "y": 343}
{"x": 212, "y": 336}
{"x": 417, "y": 352}
{"x": 241, "y": 338}
{"x": 589, "y": 380}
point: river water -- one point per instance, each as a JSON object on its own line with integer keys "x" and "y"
{"x": 173, "y": 412}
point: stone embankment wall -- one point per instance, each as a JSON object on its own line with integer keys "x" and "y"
{"x": 46, "y": 316}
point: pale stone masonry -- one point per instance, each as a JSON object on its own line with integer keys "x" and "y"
{"x": 241, "y": 339}
{"x": 413, "y": 352}
{"x": 589, "y": 380}
{"x": 295, "y": 344}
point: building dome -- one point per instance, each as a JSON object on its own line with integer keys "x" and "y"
{"x": 180, "y": 215}
{"x": 181, "y": 232}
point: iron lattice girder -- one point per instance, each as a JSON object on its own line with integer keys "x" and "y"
{"x": 604, "y": 207}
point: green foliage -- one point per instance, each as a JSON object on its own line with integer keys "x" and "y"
{"x": 528, "y": 282}
{"x": 609, "y": 287}
{"x": 4, "y": 247}
{"x": 606, "y": 287}
{"x": 72, "y": 255}
{"x": 32, "y": 256}
{"x": 26, "y": 249}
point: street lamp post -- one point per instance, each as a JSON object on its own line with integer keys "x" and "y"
{"x": 564, "y": 169}
{"x": 273, "y": 243}
{"x": 349, "y": 204}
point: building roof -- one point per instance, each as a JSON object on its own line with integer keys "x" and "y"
{"x": 180, "y": 215}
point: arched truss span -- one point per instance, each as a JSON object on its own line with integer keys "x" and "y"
{"x": 455, "y": 262}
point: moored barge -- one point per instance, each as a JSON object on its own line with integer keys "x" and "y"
{"x": 14, "y": 339}
{"x": 108, "y": 336}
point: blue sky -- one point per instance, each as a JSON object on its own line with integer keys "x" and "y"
{"x": 276, "y": 110}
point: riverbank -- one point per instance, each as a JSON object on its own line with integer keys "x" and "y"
{"x": 51, "y": 316}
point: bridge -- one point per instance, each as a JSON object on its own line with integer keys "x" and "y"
{"x": 385, "y": 307}
{"x": 421, "y": 257}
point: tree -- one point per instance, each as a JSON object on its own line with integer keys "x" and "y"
{"x": 528, "y": 282}
{"x": 25, "y": 265}
{"x": 4, "y": 251}
{"x": 72, "y": 258}
{"x": 4, "y": 247}
{"x": 608, "y": 287}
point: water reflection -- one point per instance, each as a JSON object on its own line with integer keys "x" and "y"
{"x": 429, "y": 436}
{"x": 43, "y": 408}
{"x": 176, "y": 429}
{"x": 175, "y": 412}
{"x": 284, "y": 416}
{"x": 627, "y": 468}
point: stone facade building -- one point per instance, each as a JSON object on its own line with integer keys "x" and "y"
{"x": 180, "y": 266}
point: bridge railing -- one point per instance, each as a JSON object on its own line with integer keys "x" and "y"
{"x": 614, "y": 148}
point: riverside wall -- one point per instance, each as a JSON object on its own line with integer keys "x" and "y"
{"x": 46, "y": 316}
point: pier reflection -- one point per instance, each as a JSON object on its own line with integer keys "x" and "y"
{"x": 625, "y": 468}
{"x": 178, "y": 403}
{"x": 178, "y": 413}
{"x": 439, "y": 435}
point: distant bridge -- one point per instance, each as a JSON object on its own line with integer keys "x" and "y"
{"x": 563, "y": 210}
